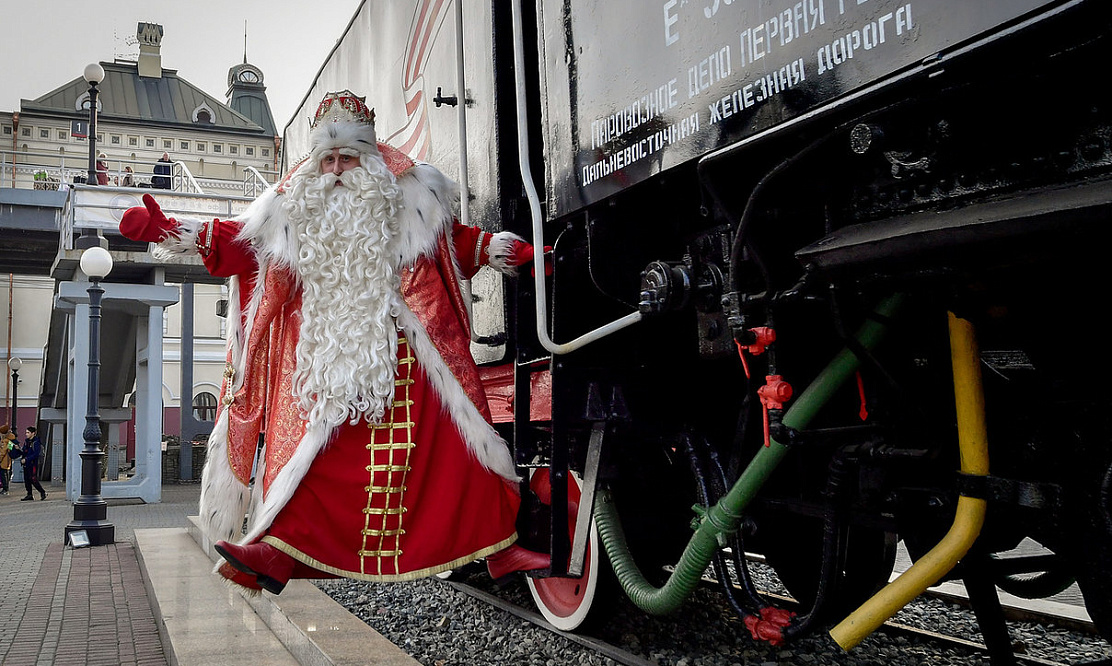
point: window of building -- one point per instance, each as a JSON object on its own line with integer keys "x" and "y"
{"x": 232, "y": 150}
{"x": 44, "y": 134}
{"x": 26, "y": 131}
{"x": 217, "y": 148}
{"x": 100, "y": 137}
{"x": 149, "y": 143}
{"x": 249, "y": 151}
{"x": 133, "y": 141}
{"x": 204, "y": 406}
{"x": 203, "y": 114}
{"x": 184, "y": 145}
{"x": 167, "y": 144}
{"x": 61, "y": 135}
{"x": 116, "y": 139}
{"x": 82, "y": 103}
{"x": 200, "y": 146}
{"x": 7, "y": 130}
{"x": 266, "y": 152}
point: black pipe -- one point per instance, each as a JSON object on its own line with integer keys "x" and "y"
{"x": 711, "y": 485}
{"x": 834, "y": 530}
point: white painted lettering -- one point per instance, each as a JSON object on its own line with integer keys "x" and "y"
{"x": 670, "y": 19}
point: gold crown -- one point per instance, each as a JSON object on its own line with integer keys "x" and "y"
{"x": 343, "y": 106}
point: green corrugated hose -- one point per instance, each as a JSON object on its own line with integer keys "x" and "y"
{"x": 722, "y": 519}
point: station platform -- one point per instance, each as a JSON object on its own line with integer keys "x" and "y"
{"x": 150, "y": 598}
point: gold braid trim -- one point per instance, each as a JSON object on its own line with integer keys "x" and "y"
{"x": 389, "y": 578}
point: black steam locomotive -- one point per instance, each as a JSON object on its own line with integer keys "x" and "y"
{"x": 830, "y": 270}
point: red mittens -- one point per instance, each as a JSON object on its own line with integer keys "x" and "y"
{"x": 522, "y": 253}
{"x": 147, "y": 222}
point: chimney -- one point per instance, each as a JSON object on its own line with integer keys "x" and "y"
{"x": 150, "y": 44}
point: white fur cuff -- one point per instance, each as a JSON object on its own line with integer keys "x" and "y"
{"x": 184, "y": 245}
{"x": 500, "y": 252}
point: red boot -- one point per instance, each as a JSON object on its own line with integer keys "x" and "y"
{"x": 240, "y": 578}
{"x": 515, "y": 558}
{"x": 271, "y": 567}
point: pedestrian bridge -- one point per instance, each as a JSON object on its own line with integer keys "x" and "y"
{"x": 44, "y": 229}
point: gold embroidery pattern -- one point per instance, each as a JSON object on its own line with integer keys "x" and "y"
{"x": 390, "y": 447}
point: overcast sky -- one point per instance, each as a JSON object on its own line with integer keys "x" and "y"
{"x": 44, "y": 45}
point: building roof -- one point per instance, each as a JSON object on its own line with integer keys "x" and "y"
{"x": 127, "y": 97}
{"x": 247, "y": 94}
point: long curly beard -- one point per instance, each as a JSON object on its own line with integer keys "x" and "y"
{"x": 348, "y": 343}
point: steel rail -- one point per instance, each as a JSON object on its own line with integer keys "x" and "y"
{"x": 602, "y": 647}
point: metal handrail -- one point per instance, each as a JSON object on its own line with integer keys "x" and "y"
{"x": 182, "y": 176}
{"x": 251, "y": 181}
{"x": 18, "y": 169}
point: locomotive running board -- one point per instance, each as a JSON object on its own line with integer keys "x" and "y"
{"x": 1056, "y": 217}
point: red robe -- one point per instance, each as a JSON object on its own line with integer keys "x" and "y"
{"x": 409, "y": 497}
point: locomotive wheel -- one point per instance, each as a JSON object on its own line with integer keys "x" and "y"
{"x": 569, "y": 603}
{"x": 792, "y": 546}
{"x": 1090, "y": 542}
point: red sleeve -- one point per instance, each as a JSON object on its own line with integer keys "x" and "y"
{"x": 470, "y": 245}
{"x": 224, "y": 255}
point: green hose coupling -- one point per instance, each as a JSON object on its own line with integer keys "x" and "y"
{"x": 723, "y": 518}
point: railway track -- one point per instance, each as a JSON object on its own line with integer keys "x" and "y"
{"x": 896, "y": 632}
{"x": 614, "y": 652}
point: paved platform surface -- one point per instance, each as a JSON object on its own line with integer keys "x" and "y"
{"x": 61, "y": 605}
{"x": 150, "y": 597}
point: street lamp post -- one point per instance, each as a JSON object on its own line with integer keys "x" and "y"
{"x": 94, "y": 74}
{"x": 14, "y": 364}
{"x": 90, "y": 511}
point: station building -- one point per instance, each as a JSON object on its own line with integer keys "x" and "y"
{"x": 143, "y": 111}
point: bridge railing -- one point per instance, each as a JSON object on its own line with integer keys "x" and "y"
{"x": 58, "y": 171}
{"x": 102, "y": 207}
{"x": 254, "y": 183}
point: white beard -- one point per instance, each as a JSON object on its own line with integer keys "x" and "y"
{"x": 348, "y": 342}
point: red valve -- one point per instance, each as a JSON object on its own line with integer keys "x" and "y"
{"x": 769, "y": 625}
{"x": 775, "y": 392}
{"x": 763, "y": 337}
{"x": 773, "y": 395}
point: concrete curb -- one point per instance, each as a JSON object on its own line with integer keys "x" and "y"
{"x": 303, "y": 625}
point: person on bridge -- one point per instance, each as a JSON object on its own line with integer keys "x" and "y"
{"x": 350, "y": 357}
{"x": 161, "y": 178}
{"x": 102, "y": 169}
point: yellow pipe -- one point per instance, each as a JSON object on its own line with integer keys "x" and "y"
{"x": 970, "y": 515}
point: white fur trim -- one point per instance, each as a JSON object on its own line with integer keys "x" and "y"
{"x": 430, "y": 198}
{"x": 286, "y": 482}
{"x": 359, "y": 137}
{"x": 266, "y": 225}
{"x": 184, "y": 244}
{"x": 500, "y": 252}
{"x": 224, "y": 498}
{"x": 482, "y": 439}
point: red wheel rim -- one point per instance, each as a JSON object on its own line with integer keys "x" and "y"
{"x": 565, "y": 602}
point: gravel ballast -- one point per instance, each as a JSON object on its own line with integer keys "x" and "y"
{"x": 440, "y": 626}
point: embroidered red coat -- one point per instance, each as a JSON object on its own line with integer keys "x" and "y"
{"x": 429, "y": 488}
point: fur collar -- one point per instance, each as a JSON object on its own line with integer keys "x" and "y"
{"x": 429, "y": 196}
